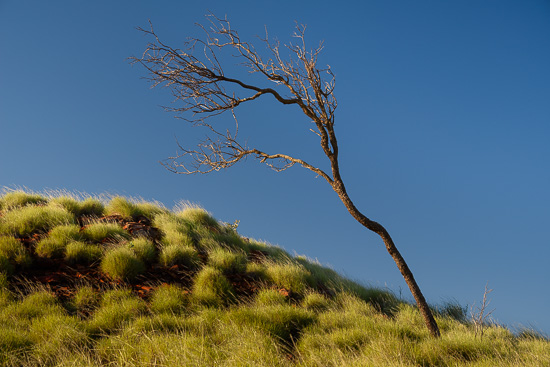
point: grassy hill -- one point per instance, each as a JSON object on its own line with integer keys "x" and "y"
{"x": 90, "y": 281}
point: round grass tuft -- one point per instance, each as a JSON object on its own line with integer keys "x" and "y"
{"x": 50, "y": 248}
{"x": 227, "y": 261}
{"x": 14, "y": 251}
{"x": 212, "y": 289}
{"x": 122, "y": 263}
{"x": 19, "y": 198}
{"x": 270, "y": 297}
{"x": 100, "y": 232}
{"x": 31, "y": 219}
{"x": 144, "y": 249}
{"x": 179, "y": 255}
{"x": 82, "y": 253}
{"x": 169, "y": 298}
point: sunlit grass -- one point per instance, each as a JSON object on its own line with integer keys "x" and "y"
{"x": 131, "y": 209}
{"x": 230, "y": 301}
{"x": 101, "y": 232}
{"x": 20, "y": 198}
{"x": 211, "y": 288}
{"x": 31, "y": 219}
{"x": 144, "y": 249}
{"x": 122, "y": 263}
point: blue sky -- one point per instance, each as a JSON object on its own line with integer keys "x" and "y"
{"x": 443, "y": 125}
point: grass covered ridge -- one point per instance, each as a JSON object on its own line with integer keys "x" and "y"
{"x": 96, "y": 281}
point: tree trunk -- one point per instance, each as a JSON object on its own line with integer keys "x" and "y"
{"x": 340, "y": 189}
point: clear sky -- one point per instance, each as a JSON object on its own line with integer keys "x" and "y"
{"x": 443, "y": 125}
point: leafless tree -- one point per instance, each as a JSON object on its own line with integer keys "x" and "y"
{"x": 480, "y": 314}
{"x": 196, "y": 77}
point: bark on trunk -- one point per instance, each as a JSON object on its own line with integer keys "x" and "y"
{"x": 339, "y": 188}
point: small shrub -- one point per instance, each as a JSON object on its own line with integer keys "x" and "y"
{"x": 270, "y": 297}
{"x": 211, "y": 288}
{"x": 16, "y": 199}
{"x": 179, "y": 255}
{"x": 82, "y": 253}
{"x": 33, "y": 219}
{"x": 144, "y": 249}
{"x": 122, "y": 263}
{"x": 102, "y": 232}
{"x": 227, "y": 261}
{"x": 14, "y": 251}
{"x": 169, "y": 298}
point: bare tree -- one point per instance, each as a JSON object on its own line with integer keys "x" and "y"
{"x": 480, "y": 314}
{"x": 197, "y": 80}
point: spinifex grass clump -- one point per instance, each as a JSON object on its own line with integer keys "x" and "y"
{"x": 122, "y": 263}
{"x": 13, "y": 254}
{"x": 101, "y": 232}
{"x": 54, "y": 245}
{"x": 88, "y": 208}
{"x": 169, "y": 299}
{"x": 211, "y": 288}
{"x": 185, "y": 256}
{"x": 198, "y": 216}
{"x": 289, "y": 275}
{"x": 32, "y": 219}
{"x": 78, "y": 252}
{"x": 227, "y": 261}
{"x": 20, "y": 198}
{"x": 128, "y": 209}
{"x": 144, "y": 249}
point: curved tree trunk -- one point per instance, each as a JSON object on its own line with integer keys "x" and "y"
{"x": 340, "y": 189}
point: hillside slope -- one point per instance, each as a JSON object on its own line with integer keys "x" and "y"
{"x": 92, "y": 281}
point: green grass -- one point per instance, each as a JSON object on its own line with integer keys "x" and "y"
{"x": 18, "y": 198}
{"x": 88, "y": 208}
{"x": 230, "y": 301}
{"x": 291, "y": 276}
{"x": 31, "y": 219}
{"x": 54, "y": 245}
{"x": 122, "y": 263}
{"x": 14, "y": 252}
{"x": 211, "y": 288}
{"x": 227, "y": 261}
{"x": 105, "y": 232}
{"x": 182, "y": 255}
{"x": 169, "y": 299}
{"x": 144, "y": 249}
{"x": 82, "y": 253}
{"x": 132, "y": 210}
